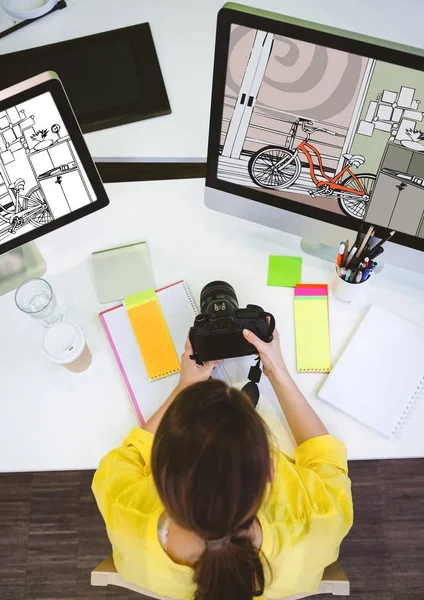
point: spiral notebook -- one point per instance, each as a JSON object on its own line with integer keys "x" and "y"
{"x": 312, "y": 328}
{"x": 179, "y": 311}
{"x": 380, "y": 375}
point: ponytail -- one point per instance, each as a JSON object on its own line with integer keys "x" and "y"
{"x": 211, "y": 463}
{"x": 229, "y": 569}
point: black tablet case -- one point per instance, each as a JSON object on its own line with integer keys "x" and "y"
{"x": 111, "y": 78}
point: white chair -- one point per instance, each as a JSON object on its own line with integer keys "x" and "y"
{"x": 334, "y": 581}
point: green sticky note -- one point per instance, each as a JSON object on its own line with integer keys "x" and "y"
{"x": 139, "y": 298}
{"x": 284, "y": 271}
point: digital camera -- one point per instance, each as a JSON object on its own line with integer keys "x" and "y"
{"x": 218, "y": 330}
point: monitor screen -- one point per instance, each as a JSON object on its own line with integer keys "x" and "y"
{"x": 47, "y": 177}
{"x": 318, "y": 124}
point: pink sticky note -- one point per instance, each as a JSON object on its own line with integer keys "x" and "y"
{"x": 311, "y": 290}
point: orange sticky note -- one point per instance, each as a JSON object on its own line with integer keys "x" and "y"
{"x": 152, "y": 335}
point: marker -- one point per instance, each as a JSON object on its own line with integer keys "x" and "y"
{"x": 340, "y": 254}
{"x": 342, "y": 272}
{"x": 366, "y": 262}
{"x": 348, "y": 274}
{"x": 359, "y": 277}
{"x": 365, "y": 275}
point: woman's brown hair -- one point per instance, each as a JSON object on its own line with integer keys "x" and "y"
{"x": 211, "y": 465}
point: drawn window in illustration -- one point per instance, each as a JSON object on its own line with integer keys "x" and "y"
{"x": 323, "y": 127}
{"x": 43, "y": 178}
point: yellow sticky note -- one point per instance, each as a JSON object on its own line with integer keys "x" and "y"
{"x": 312, "y": 334}
{"x": 152, "y": 335}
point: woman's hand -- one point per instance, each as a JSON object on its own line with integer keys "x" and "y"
{"x": 270, "y": 353}
{"x": 191, "y": 372}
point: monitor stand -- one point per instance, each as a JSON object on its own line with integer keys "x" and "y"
{"x": 18, "y": 265}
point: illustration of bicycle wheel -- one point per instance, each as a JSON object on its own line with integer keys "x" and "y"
{"x": 356, "y": 206}
{"x": 263, "y": 169}
{"x": 42, "y": 216}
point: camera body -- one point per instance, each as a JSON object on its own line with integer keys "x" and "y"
{"x": 217, "y": 332}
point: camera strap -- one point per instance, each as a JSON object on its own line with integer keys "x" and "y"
{"x": 251, "y": 388}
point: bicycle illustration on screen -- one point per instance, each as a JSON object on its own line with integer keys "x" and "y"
{"x": 30, "y": 208}
{"x": 279, "y": 167}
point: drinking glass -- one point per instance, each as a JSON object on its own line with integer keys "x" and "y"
{"x": 36, "y": 298}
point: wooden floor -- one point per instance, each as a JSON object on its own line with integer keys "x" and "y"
{"x": 51, "y": 535}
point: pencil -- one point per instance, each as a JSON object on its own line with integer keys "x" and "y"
{"x": 364, "y": 242}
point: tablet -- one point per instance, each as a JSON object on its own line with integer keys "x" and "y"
{"x": 47, "y": 176}
{"x": 111, "y": 78}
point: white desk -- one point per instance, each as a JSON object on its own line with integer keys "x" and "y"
{"x": 184, "y": 34}
{"x": 51, "y": 419}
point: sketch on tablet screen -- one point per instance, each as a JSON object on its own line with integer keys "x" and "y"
{"x": 41, "y": 175}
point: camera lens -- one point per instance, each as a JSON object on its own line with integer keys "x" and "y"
{"x": 217, "y": 291}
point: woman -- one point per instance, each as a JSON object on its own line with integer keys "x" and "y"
{"x": 197, "y": 504}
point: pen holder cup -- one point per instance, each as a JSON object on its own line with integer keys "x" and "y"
{"x": 346, "y": 291}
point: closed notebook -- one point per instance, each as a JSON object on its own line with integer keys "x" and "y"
{"x": 122, "y": 271}
{"x": 380, "y": 375}
{"x": 312, "y": 328}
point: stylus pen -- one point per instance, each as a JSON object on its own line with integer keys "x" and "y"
{"x": 376, "y": 250}
{"x": 351, "y": 255}
{"x": 358, "y": 237}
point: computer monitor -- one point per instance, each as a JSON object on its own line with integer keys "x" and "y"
{"x": 47, "y": 176}
{"x": 314, "y": 130}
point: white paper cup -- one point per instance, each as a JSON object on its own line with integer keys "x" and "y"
{"x": 346, "y": 291}
{"x": 64, "y": 344}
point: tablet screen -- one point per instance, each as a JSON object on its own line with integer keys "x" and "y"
{"x": 42, "y": 177}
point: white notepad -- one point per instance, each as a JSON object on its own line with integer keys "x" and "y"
{"x": 380, "y": 375}
{"x": 179, "y": 311}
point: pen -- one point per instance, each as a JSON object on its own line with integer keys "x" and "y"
{"x": 342, "y": 272}
{"x": 366, "y": 250}
{"x": 340, "y": 254}
{"x": 358, "y": 278}
{"x": 348, "y": 274}
{"x": 370, "y": 272}
{"x": 365, "y": 275}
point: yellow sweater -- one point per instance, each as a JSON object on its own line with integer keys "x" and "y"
{"x": 306, "y": 514}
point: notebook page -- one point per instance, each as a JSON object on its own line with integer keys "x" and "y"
{"x": 146, "y": 396}
{"x": 379, "y": 372}
{"x": 180, "y": 310}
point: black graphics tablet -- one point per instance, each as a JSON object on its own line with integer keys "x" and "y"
{"x": 111, "y": 78}
{"x": 47, "y": 176}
